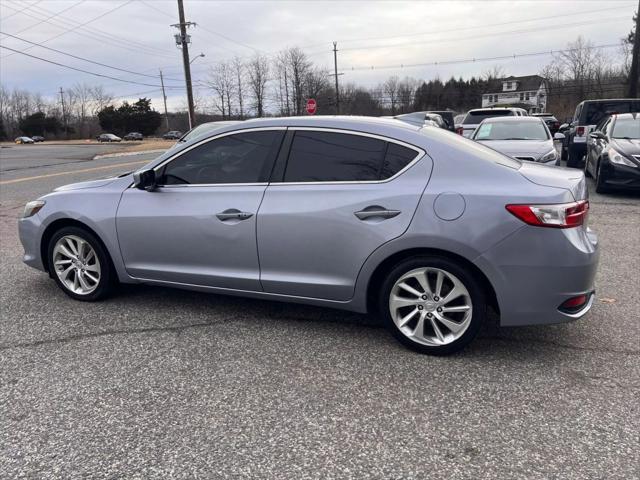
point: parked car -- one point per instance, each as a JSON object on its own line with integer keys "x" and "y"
{"x": 447, "y": 116}
{"x": 588, "y": 114}
{"x": 421, "y": 119}
{"x": 172, "y": 135}
{"x": 23, "y": 140}
{"x": 134, "y": 136}
{"x": 108, "y": 137}
{"x": 205, "y": 128}
{"x": 37, "y": 138}
{"x": 345, "y": 212}
{"x": 474, "y": 117}
{"x": 613, "y": 152}
{"x": 552, "y": 122}
{"x": 523, "y": 138}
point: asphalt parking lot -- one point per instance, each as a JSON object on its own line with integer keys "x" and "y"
{"x": 157, "y": 383}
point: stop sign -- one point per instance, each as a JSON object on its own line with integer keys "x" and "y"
{"x": 311, "y": 106}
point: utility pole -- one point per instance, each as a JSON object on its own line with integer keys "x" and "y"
{"x": 634, "y": 72}
{"x": 164, "y": 97}
{"x": 64, "y": 115}
{"x": 335, "y": 73}
{"x": 182, "y": 40}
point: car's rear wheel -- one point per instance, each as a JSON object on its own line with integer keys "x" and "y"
{"x": 432, "y": 305}
{"x": 80, "y": 265}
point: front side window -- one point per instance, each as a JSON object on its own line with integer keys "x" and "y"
{"x": 240, "y": 158}
{"x": 338, "y": 157}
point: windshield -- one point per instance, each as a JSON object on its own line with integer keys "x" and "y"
{"x": 596, "y": 111}
{"x": 477, "y": 117}
{"x": 505, "y": 130}
{"x": 627, "y": 128}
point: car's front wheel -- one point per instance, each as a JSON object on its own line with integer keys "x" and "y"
{"x": 601, "y": 186}
{"x": 432, "y": 305}
{"x": 80, "y": 265}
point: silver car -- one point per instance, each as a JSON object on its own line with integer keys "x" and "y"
{"x": 523, "y": 138}
{"x": 424, "y": 228}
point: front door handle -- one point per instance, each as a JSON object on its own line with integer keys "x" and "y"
{"x": 233, "y": 214}
{"x": 376, "y": 212}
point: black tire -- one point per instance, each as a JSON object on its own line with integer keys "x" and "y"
{"x": 601, "y": 187}
{"x": 108, "y": 278}
{"x": 473, "y": 286}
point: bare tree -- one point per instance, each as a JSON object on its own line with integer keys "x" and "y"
{"x": 296, "y": 69}
{"x": 406, "y": 93}
{"x": 258, "y": 70}
{"x": 238, "y": 68}
{"x": 390, "y": 89}
{"x": 222, "y": 82}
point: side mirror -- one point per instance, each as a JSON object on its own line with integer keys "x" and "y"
{"x": 559, "y": 136}
{"x": 145, "y": 180}
{"x": 597, "y": 135}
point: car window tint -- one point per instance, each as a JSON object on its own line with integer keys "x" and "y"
{"x": 396, "y": 159}
{"x": 241, "y": 158}
{"x": 334, "y": 157}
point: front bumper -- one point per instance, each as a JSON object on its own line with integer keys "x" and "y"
{"x": 621, "y": 176}
{"x": 30, "y": 233}
{"x": 535, "y": 270}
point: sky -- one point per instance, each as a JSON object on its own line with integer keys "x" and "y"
{"x": 376, "y": 39}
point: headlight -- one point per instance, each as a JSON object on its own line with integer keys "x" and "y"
{"x": 32, "y": 208}
{"x": 547, "y": 157}
{"x": 619, "y": 159}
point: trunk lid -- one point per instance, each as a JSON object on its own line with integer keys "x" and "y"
{"x": 559, "y": 177}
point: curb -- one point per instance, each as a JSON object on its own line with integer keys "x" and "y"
{"x": 125, "y": 154}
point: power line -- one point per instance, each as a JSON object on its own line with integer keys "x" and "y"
{"x": 200, "y": 27}
{"x": 79, "y": 58}
{"x": 84, "y": 71}
{"x": 473, "y": 60}
{"x": 85, "y": 23}
{"x": 492, "y": 34}
{"x": 460, "y": 29}
{"x": 99, "y": 35}
{"x": 20, "y": 11}
{"x": 46, "y": 19}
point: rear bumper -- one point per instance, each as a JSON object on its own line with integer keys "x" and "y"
{"x": 536, "y": 269}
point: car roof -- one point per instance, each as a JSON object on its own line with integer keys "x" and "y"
{"x": 330, "y": 121}
{"x": 602, "y": 100}
{"x": 512, "y": 119}
{"x": 633, "y": 115}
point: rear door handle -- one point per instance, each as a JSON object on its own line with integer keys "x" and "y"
{"x": 233, "y": 214}
{"x": 376, "y": 212}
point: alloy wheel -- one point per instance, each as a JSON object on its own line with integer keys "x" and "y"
{"x": 430, "y": 306}
{"x": 76, "y": 264}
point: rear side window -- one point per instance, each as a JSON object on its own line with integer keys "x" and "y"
{"x": 596, "y": 111}
{"x": 337, "y": 157}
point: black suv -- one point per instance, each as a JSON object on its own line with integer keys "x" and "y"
{"x": 447, "y": 116}
{"x": 588, "y": 115}
{"x": 134, "y": 136}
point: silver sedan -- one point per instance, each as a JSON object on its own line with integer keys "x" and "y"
{"x": 419, "y": 226}
{"x": 523, "y": 138}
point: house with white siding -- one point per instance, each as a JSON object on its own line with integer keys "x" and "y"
{"x": 528, "y": 92}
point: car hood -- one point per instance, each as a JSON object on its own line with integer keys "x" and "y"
{"x": 559, "y": 177}
{"x": 525, "y": 148}
{"x": 626, "y": 147}
{"x": 90, "y": 184}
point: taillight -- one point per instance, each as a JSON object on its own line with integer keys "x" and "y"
{"x": 459, "y": 130}
{"x": 565, "y": 215}
{"x": 580, "y": 131}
